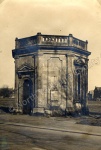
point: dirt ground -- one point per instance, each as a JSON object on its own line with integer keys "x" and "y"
{"x": 94, "y": 117}
{"x": 10, "y": 140}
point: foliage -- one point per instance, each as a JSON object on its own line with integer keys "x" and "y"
{"x": 6, "y": 92}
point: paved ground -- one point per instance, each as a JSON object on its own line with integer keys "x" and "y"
{"x": 22, "y": 132}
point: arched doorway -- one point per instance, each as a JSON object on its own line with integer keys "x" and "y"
{"x": 27, "y": 96}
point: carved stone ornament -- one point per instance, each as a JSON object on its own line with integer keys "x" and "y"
{"x": 79, "y": 62}
{"x": 25, "y": 70}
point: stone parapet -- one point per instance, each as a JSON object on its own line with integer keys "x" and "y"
{"x": 55, "y": 40}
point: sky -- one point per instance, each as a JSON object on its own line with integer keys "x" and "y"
{"x": 24, "y": 18}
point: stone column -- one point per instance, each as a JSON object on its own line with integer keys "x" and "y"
{"x": 67, "y": 77}
{"x": 81, "y": 86}
{"x": 34, "y": 82}
{"x": 85, "y": 89}
{"x": 75, "y": 87}
{"x": 70, "y": 84}
{"x": 16, "y": 84}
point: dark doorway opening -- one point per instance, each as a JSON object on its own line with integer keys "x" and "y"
{"x": 27, "y": 96}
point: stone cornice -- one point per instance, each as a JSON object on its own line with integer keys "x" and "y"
{"x": 33, "y": 49}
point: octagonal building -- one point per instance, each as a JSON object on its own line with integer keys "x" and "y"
{"x": 51, "y": 74}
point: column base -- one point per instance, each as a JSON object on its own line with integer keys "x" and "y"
{"x": 38, "y": 111}
{"x": 69, "y": 111}
{"x": 85, "y": 111}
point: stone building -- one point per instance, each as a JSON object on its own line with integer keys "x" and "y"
{"x": 91, "y": 95}
{"x": 97, "y": 93}
{"x": 51, "y": 73}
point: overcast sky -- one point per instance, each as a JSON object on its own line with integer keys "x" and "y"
{"x": 23, "y": 18}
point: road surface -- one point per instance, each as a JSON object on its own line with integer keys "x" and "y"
{"x": 16, "y": 136}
